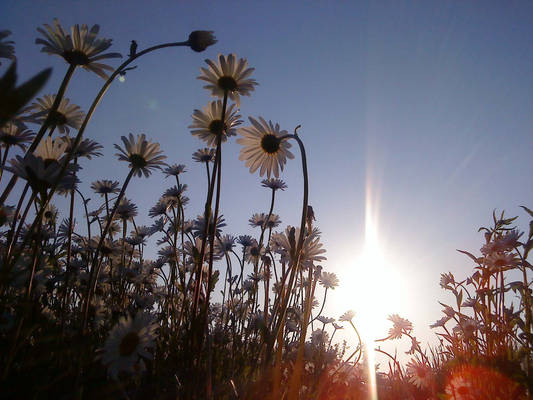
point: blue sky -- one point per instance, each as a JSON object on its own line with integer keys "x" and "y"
{"x": 429, "y": 103}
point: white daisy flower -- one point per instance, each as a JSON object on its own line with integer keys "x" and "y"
{"x": 67, "y": 114}
{"x": 419, "y": 373}
{"x": 228, "y": 75}
{"x": 400, "y": 326}
{"x": 347, "y": 316}
{"x": 81, "y": 48}
{"x": 50, "y": 149}
{"x": 263, "y": 147}
{"x": 127, "y": 344}
{"x": 208, "y": 126}
{"x": 142, "y": 154}
{"x": 329, "y": 280}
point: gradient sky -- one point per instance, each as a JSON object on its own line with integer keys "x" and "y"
{"x": 430, "y": 104}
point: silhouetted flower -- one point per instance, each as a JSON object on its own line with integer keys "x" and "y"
{"x": 143, "y": 155}
{"x": 263, "y": 147}
{"x": 228, "y": 75}
{"x": 82, "y": 49}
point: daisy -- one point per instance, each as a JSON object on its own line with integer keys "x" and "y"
{"x": 105, "y": 186}
{"x": 174, "y": 170}
{"x": 260, "y": 220}
{"x": 201, "y": 40}
{"x": 51, "y": 150}
{"x": 274, "y": 184}
{"x": 14, "y": 135}
{"x": 126, "y": 210}
{"x": 245, "y": 240}
{"x": 86, "y": 148}
{"x": 325, "y": 320}
{"x": 143, "y": 155}
{"x": 228, "y": 76}
{"x": 312, "y": 249}
{"x": 347, "y": 316}
{"x": 199, "y": 226}
{"x": 83, "y": 48}
{"x": 67, "y": 114}
{"x": 500, "y": 261}
{"x": 400, "y": 326}
{"x": 263, "y": 147}
{"x": 224, "y": 244}
{"x": 329, "y": 280}
{"x": 419, "y": 374}
{"x": 441, "y": 322}
{"x": 208, "y": 126}
{"x": 204, "y": 155}
{"x": 7, "y": 50}
{"x": 127, "y": 344}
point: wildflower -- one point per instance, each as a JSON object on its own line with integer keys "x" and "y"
{"x": 510, "y": 240}
{"x": 419, "y": 374}
{"x": 228, "y": 76}
{"x": 86, "y": 148}
{"x": 260, "y": 220}
{"x": 325, "y": 320}
{"x": 127, "y": 344}
{"x": 204, "y": 155}
{"x": 40, "y": 174}
{"x": 274, "y": 184}
{"x": 50, "y": 150}
{"x": 208, "y": 126}
{"x": 174, "y": 170}
{"x": 105, "y": 186}
{"x": 311, "y": 249}
{"x": 415, "y": 346}
{"x": 126, "y": 210}
{"x": 446, "y": 280}
{"x": 7, "y": 50}
{"x": 224, "y": 244}
{"x": 67, "y": 114}
{"x": 142, "y": 155}
{"x": 347, "y": 316}
{"x": 329, "y": 280}
{"x": 201, "y": 40}
{"x": 199, "y": 226}
{"x": 263, "y": 147}
{"x": 441, "y": 322}
{"x": 500, "y": 261}
{"x": 83, "y": 48}
{"x": 400, "y": 326}
{"x": 245, "y": 240}
{"x": 15, "y": 135}
{"x": 253, "y": 252}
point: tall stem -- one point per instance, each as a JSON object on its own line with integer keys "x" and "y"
{"x": 95, "y": 265}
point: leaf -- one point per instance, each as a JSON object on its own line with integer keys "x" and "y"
{"x": 473, "y": 257}
{"x": 528, "y": 210}
{"x": 13, "y": 99}
{"x": 459, "y": 299}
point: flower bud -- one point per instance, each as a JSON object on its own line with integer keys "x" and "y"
{"x": 201, "y": 40}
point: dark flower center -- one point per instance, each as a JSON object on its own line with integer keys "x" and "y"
{"x": 76, "y": 57}
{"x": 227, "y": 83}
{"x": 48, "y": 214}
{"x": 270, "y": 143}
{"x": 128, "y": 344}
{"x": 137, "y": 161}
{"x": 254, "y": 251}
{"x": 56, "y": 118}
{"x": 216, "y": 127}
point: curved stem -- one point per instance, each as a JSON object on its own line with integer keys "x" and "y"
{"x": 68, "y": 157}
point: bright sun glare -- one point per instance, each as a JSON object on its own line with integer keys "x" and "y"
{"x": 374, "y": 287}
